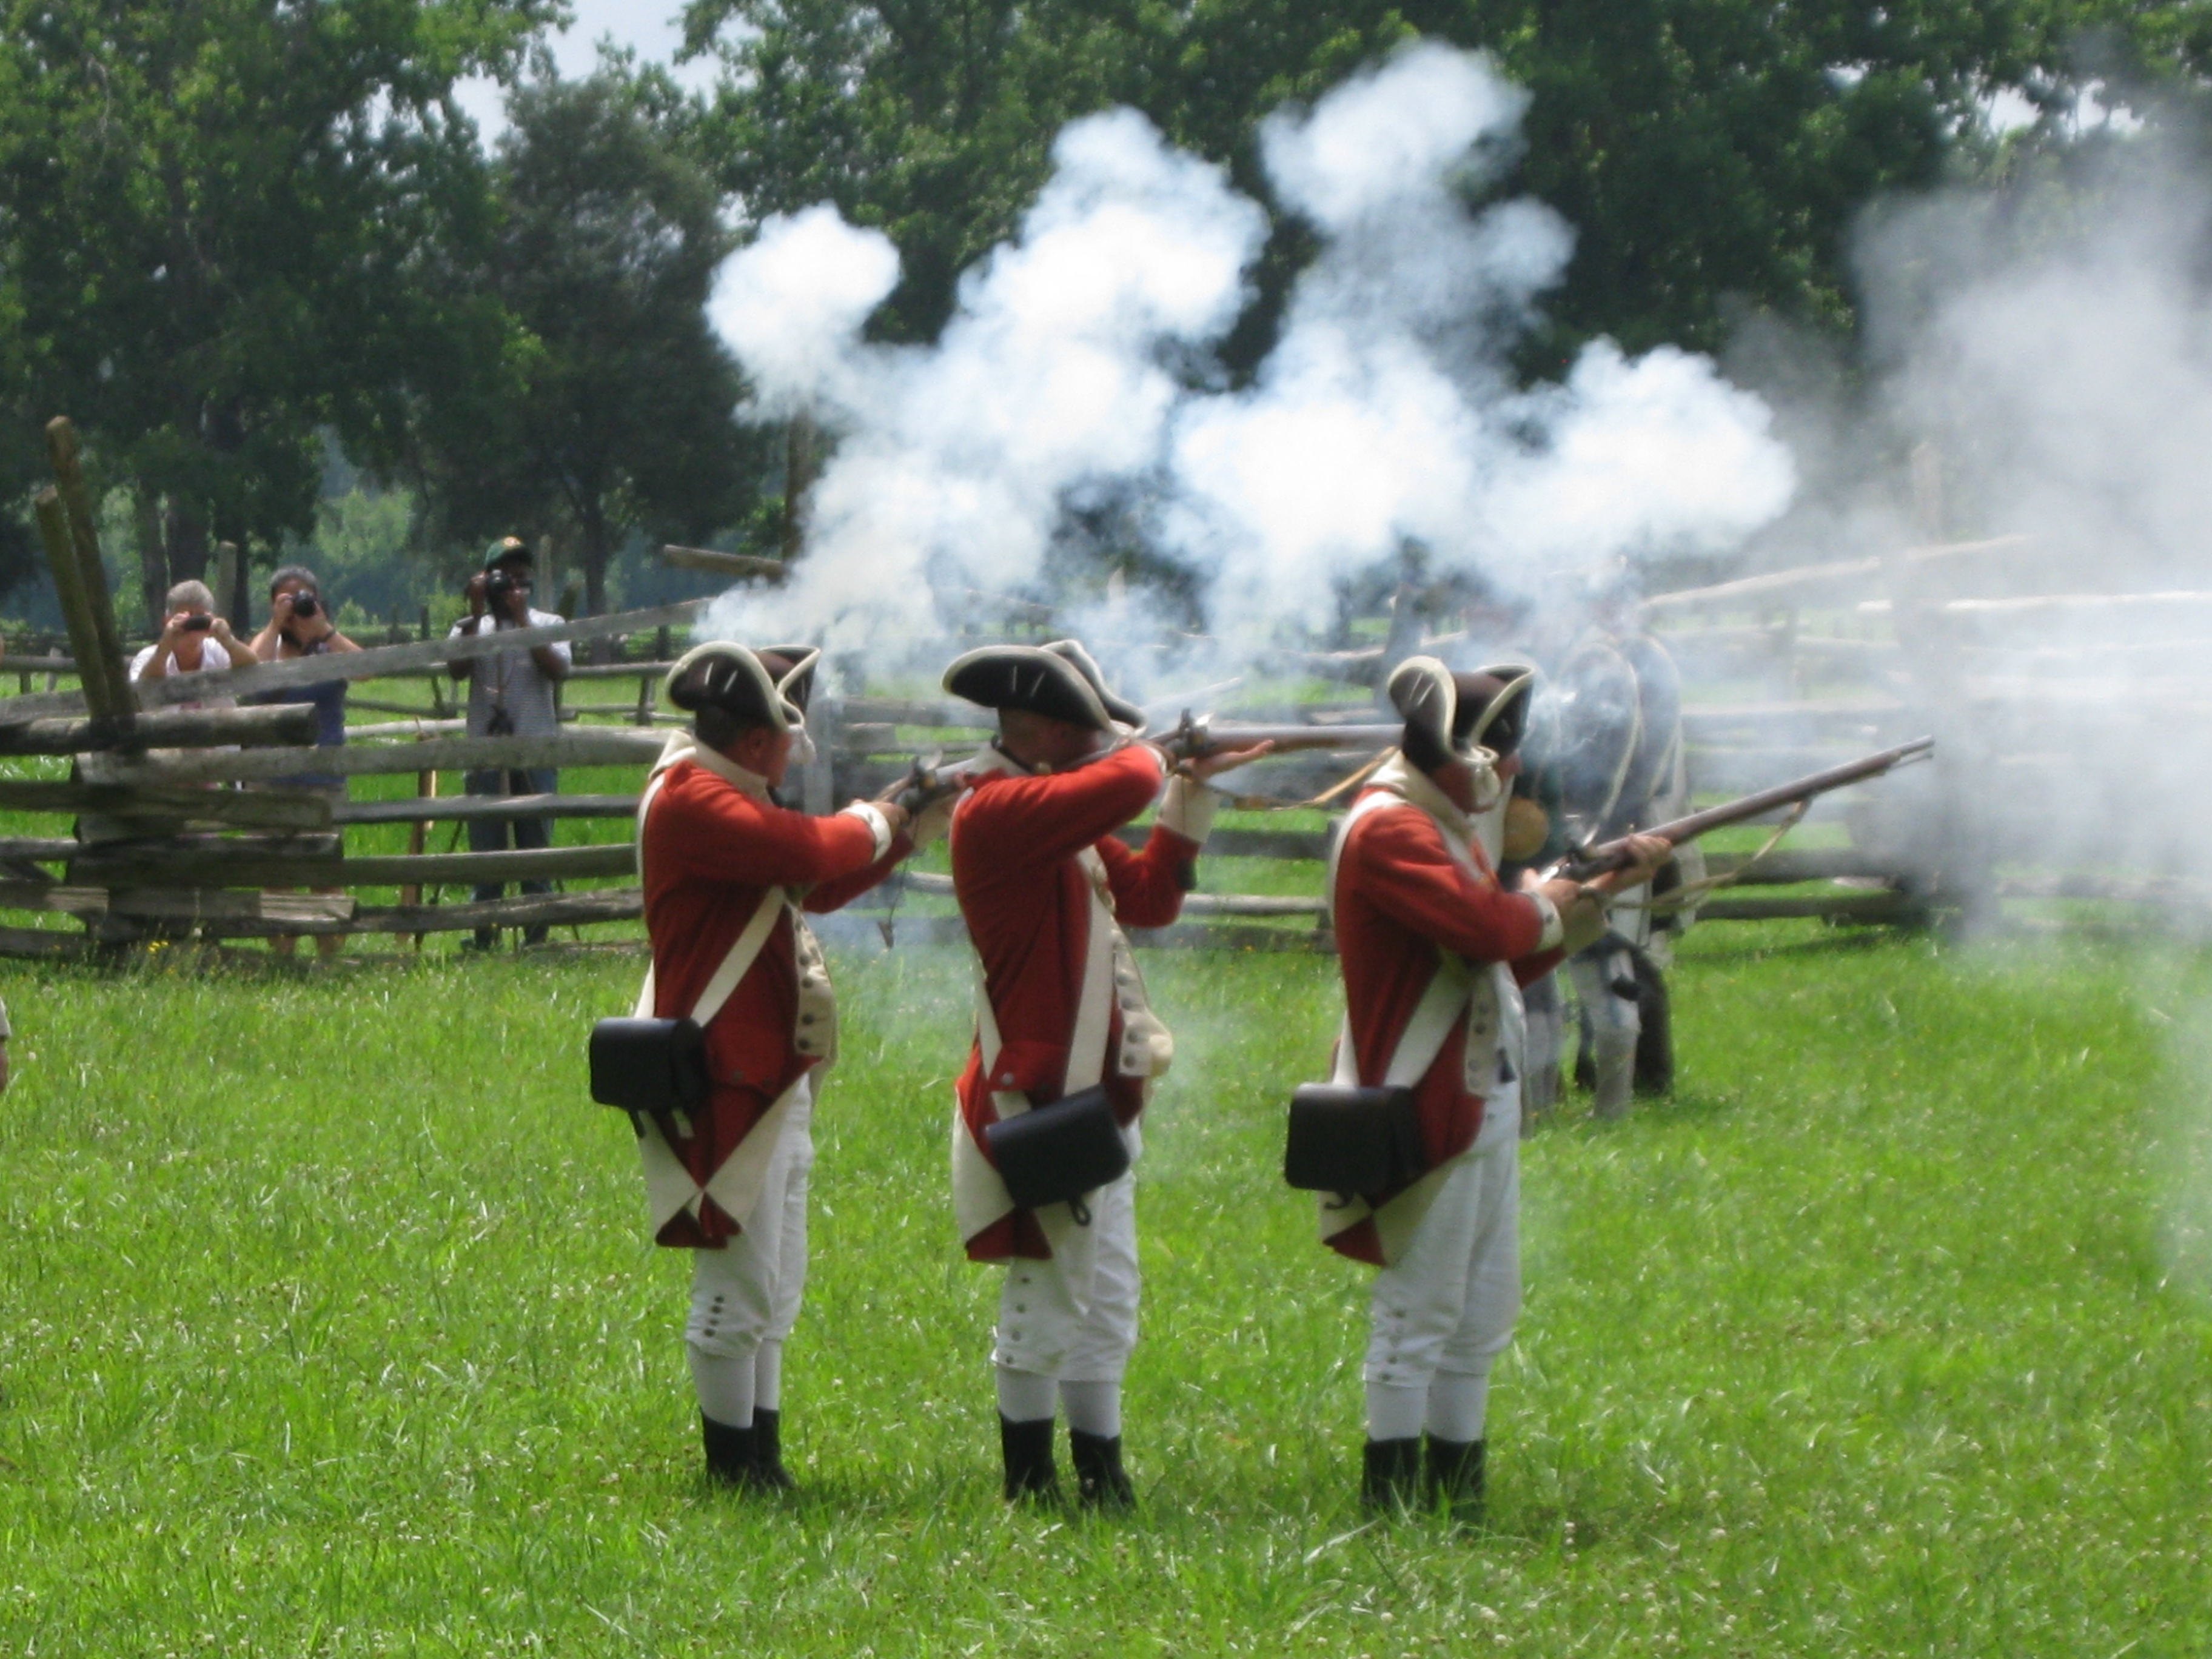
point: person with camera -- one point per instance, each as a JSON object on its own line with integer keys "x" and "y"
{"x": 193, "y": 641}
{"x": 300, "y": 625}
{"x": 1433, "y": 950}
{"x": 728, "y": 872}
{"x": 511, "y": 694}
{"x": 1045, "y": 886}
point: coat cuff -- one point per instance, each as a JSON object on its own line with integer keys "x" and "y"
{"x": 1187, "y": 810}
{"x": 1554, "y": 929}
{"x": 879, "y": 826}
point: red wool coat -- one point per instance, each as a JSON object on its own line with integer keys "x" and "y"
{"x": 1401, "y": 899}
{"x": 1026, "y": 901}
{"x": 710, "y": 851}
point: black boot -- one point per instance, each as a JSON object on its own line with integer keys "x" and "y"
{"x": 1455, "y": 1477}
{"x": 1391, "y": 1478}
{"x": 768, "y": 1451}
{"x": 1100, "y": 1481}
{"x": 1027, "y": 1448}
{"x": 733, "y": 1455}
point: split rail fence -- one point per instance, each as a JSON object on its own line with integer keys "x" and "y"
{"x": 183, "y": 823}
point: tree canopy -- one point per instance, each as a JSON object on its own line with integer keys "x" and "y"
{"x": 234, "y": 233}
{"x": 1709, "y": 152}
{"x": 617, "y": 410}
{"x": 216, "y": 219}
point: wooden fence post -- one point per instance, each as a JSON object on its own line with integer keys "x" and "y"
{"x": 817, "y": 785}
{"x": 68, "y": 589}
{"x": 84, "y": 542}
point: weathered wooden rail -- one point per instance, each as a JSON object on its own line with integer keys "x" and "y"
{"x": 1788, "y": 671}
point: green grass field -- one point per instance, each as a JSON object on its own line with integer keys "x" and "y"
{"x": 328, "y": 1329}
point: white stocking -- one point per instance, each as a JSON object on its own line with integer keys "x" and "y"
{"x": 725, "y": 1386}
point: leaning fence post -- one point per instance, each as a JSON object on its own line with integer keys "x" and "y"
{"x": 818, "y": 780}
{"x": 92, "y": 574}
{"x": 68, "y": 589}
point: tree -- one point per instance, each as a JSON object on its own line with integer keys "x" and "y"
{"x": 1709, "y": 152}
{"x": 213, "y": 215}
{"x": 618, "y": 412}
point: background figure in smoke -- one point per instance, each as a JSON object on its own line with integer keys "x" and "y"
{"x": 1614, "y": 753}
{"x": 1532, "y": 836}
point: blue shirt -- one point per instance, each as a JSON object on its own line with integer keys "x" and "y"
{"x": 329, "y": 698}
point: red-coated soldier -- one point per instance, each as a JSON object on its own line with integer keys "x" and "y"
{"x": 1433, "y": 952}
{"x": 1045, "y": 887}
{"x": 728, "y": 872}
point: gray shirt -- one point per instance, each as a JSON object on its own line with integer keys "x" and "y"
{"x": 510, "y": 680}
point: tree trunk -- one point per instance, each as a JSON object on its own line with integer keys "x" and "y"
{"x": 188, "y": 540}
{"x": 153, "y": 558}
{"x": 228, "y": 579}
{"x": 595, "y": 550}
{"x": 592, "y": 525}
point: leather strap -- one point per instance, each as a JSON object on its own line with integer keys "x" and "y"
{"x": 744, "y": 951}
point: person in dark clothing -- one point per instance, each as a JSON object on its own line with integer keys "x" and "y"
{"x": 512, "y": 694}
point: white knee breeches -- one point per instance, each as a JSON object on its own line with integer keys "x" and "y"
{"x": 1448, "y": 1304}
{"x": 1075, "y": 1317}
{"x": 749, "y": 1291}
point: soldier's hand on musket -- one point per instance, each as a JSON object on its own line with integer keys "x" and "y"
{"x": 1648, "y": 855}
{"x": 894, "y": 814}
{"x": 1199, "y": 767}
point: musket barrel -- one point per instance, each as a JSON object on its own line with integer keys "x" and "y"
{"x": 1301, "y": 737}
{"x": 1614, "y": 854}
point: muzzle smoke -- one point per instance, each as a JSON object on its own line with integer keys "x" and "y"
{"x": 1078, "y": 367}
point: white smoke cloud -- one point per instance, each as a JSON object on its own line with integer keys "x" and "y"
{"x": 791, "y": 307}
{"x": 2054, "y": 345}
{"x": 1385, "y": 416}
{"x": 955, "y": 459}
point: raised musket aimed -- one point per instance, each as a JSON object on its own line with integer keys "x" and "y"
{"x": 1614, "y": 854}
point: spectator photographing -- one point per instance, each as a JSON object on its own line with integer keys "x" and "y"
{"x": 194, "y": 640}
{"x": 299, "y": 625}
{"x": 511, "y": 694}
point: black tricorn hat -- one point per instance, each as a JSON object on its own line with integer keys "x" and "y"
{"x": 722, "y": 674}
{"x": 1059, "y": 680}
{"x": 1462, "y": 716}
{"x": 792, "y": 667}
